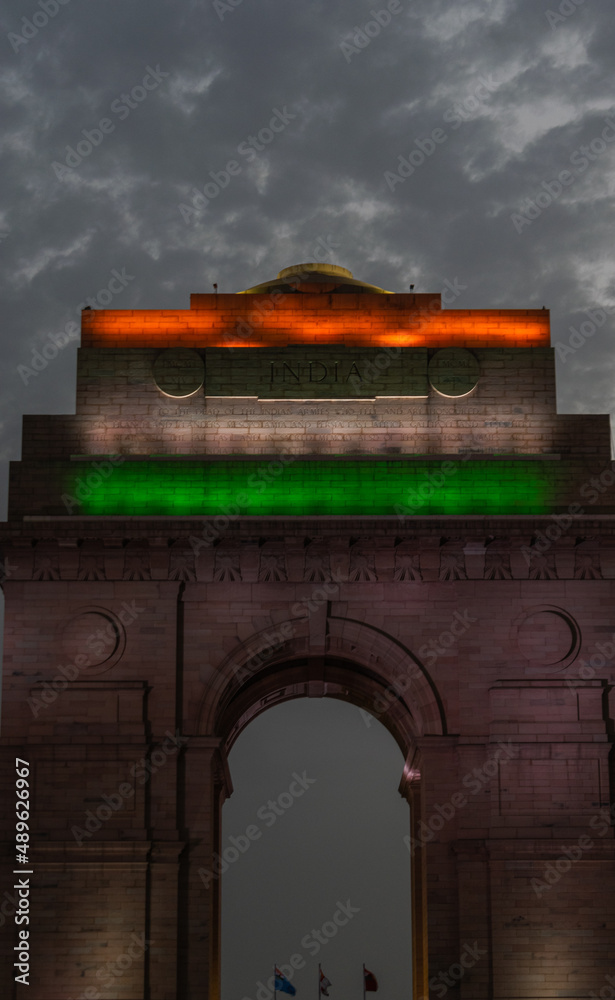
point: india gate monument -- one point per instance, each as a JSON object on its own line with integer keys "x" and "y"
{"x": 310, "y": 488}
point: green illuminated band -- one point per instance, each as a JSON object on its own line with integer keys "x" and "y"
{"x": 292, "y": 486}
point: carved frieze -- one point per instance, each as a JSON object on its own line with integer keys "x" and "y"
{"x": 452, "y": 561}
{"x": 316, "y": 559}
{"x": 272, "y": 568}
{"x": 46, "y": 561}
{"x": 91, "y": 561}
{"x": 227, "y": 567}
{"x": 497, "y": 560}
{"x": 362, "y": 561}
{"x": 137, "y": 561}
{"x": 587, "y": 559}
{"x": 407, "y": 563}
{"x": 181, "y": 562}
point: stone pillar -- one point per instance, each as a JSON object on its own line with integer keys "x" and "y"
{"x": 411, "y": 790}
{"x": 436, "y": 837}
{"x": 206, "y": 784}
{"x": 474, "y": 963}
{"x": 162, "y": 919}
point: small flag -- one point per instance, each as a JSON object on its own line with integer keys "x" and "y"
{"x": 282, "y": 984}
{"x": 371, "y": 983}
{"x": 324, "y": 984}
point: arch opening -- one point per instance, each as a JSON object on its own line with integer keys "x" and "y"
{"x": 315, "y": 841}
{"x": 320, "y": 677}
{"x": 381, "y": 680}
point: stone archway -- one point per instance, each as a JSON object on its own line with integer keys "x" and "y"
{"x": 387, "y": 679}
{"x": 356, "y": 663}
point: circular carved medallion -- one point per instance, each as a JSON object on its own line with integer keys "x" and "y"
{"x": 179, "y": 372}
{"x": 453, "y": 371}
{"x": 94, "y": 639}
{"x": 548, "y": 635}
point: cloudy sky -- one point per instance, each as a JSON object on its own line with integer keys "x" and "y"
{"x": 179, "y": 143}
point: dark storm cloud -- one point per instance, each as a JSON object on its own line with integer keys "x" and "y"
{"x": 512, "y": 94}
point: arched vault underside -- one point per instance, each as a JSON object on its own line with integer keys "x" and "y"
{"x": 356, "y": 663}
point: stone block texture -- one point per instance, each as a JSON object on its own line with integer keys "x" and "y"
{"x": 144, "y": 632}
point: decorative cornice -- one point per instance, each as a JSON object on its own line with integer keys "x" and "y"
{"x": 311, "y": 551}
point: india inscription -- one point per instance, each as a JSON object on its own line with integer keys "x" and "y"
{"x": 326, "y": 371}
{"x": 316, "y": 371}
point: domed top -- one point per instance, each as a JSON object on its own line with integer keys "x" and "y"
{"x": 313, "y": 278}
{"x": 332, "y": 269}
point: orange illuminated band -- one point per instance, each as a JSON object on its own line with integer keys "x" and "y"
{"x": 365, "y": 321}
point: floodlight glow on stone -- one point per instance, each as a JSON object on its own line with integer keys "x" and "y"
{"x": 313, "y": 487}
